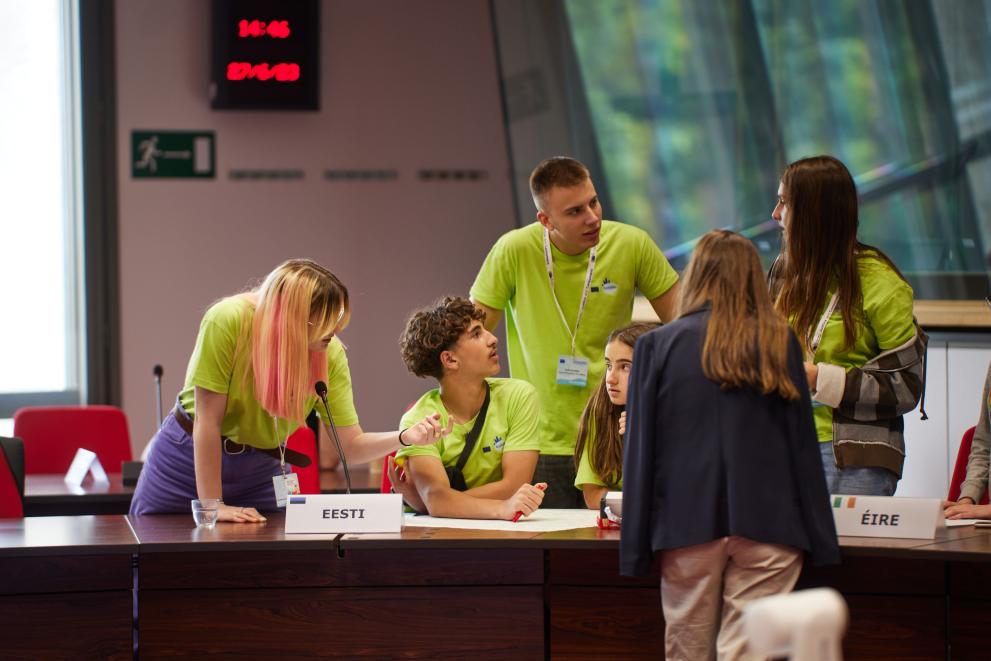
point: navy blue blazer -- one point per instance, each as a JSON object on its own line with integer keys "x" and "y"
{"x": 702, "y": 463}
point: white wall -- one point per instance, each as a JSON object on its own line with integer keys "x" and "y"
{"x": 404, "y": 85}
{"x": 955, "y": 381}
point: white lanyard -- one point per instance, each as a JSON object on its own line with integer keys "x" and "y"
{"x": 821, "y": 328}
{"x": 548, "y": 260}
{"x": 282, "y": 446}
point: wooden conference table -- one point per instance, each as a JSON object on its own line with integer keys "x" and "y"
{"x": 49, "y": 495}
{"x": 67, "y": 583}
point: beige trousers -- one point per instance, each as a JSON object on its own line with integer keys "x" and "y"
{"x": 704, "y": 589}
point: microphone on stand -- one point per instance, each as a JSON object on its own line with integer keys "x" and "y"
{"x": 321, "y": 389}
{"x": 157, "y": 371}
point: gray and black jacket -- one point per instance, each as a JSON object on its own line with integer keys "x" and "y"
{"x": 868, "y": 404}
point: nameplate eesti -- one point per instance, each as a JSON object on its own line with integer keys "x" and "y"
{"x": 881, "y": 516}
{"x": 344, "y": 513}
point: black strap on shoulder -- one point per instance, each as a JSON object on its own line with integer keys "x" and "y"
{"x": 475, "y": 432}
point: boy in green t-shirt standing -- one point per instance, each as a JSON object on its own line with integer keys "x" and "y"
{"x": 566, "y": 281}
{"x": 449, "y": 342}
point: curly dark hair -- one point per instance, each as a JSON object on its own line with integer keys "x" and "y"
{"x": 433, "y": 330}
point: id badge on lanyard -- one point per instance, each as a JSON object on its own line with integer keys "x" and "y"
{"x": 817, "y": 338}
{"x": 571, "y": 369}
{"x": 287, "y": 484}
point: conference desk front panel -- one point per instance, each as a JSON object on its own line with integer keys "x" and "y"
{"x": 241, "y": 590}
{"x": 246, "y": 590}
{"x": 66, "y": 587}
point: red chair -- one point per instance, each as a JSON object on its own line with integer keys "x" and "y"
{"x": 52, "y": 434}
{"x": 11, "y": 479}
{"x": 303, "y": 440}
{"x": 386, "y": 486}
{"x": 960, "y": 468}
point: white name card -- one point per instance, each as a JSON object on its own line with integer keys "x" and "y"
{"x": 336, "y": 513}
{"x": 883, "y": 516}
{"x": 85, "y": 462}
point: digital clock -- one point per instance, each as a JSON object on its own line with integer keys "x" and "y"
{"x": 265, "y": 55}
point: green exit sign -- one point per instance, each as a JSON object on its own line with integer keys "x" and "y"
{"x": 172, "y": 154}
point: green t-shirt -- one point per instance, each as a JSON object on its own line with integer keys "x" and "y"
{"x": 586, "y": 475}
{"x": 888, "y": 314}
{"x": 513, "y": 278}
{"x": 510, "y": 426}
{"x": 215, "y": 367}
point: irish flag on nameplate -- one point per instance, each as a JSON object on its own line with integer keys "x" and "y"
{"x": 850, "y": 501}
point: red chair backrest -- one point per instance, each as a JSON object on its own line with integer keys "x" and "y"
{"x": 386, "y": 486}
{"x": 960, "y": 468}
{"x": 303, "y": 440}
{"x": 11, "y": 505}
{"x": 52, "y": 434}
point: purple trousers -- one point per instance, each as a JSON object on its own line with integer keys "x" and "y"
{"x": 168, "y": 480}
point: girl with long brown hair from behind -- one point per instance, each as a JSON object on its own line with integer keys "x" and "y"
{"x": 721, "y": 471}
{"x": 599, "y": 449}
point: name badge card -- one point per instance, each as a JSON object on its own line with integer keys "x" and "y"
{"x": 350, "y": 513}
{"x": 85, "y": 462}
{"x": 572, "y": 371}
{"x": 883, "y": 516}
{"x": 285, "y": 486}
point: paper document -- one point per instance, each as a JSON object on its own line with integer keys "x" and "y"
{"x": 540, "y": 521}
{"x": 983, "y": 523}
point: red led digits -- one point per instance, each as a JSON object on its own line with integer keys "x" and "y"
{"x": 283, "y": 72}
{"x": 256, "y": 28}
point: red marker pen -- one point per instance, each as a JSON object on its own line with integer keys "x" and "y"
{"x": 516, "y": 517}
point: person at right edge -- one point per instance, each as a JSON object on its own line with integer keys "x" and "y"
{"x": 721, "y": 472}
{"x": 852, "y": 310}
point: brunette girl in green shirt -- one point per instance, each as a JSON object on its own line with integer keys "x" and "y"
{"x": 599, "y": 448}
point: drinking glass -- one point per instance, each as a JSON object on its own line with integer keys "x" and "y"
{"x": 205, "y": 512}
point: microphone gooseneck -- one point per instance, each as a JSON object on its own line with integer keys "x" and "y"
{"x": 158, "y": 371}
{"x": 321, "y": 389}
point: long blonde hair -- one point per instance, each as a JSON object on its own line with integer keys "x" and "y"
{"x": 746, "y": 342}
{"x": 600, "y": 419}
{"x": 298, "y": 303}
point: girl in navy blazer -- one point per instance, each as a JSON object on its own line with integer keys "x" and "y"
{"x": 722, "y": 469}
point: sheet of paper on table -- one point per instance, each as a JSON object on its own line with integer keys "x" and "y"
{"x": 983, "y": 523}
{"x": 540, "y": 521}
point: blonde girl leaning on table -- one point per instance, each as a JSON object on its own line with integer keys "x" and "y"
{"x": 249, "y": 386}
{"x": 853, "y": 313}
{"x": 975, "y": 485}
{"x": 721, "y": 470}
{"x": 599, "y": 448}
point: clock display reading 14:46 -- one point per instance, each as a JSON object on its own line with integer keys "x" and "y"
{"x": 265, "y": 54}
{"x": 276, "y": 29}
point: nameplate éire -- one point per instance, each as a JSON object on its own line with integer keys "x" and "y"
{"x": 882, "y": 516}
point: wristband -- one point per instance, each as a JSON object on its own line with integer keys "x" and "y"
{"x": 401, "y": 442}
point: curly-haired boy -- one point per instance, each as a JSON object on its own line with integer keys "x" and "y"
{"x": 447, "y": 341}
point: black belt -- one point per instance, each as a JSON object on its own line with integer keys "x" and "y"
{"x": 231, "y": 446}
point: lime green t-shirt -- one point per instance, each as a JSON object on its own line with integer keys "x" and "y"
{"x": 215, "y": 367}
{"x": 888, "y": 314}
{"x": 513, "y": 278}
{"x": 586, "y": 475}
{"x": 510, "y": 426}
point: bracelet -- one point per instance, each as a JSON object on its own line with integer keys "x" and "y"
{"x": 401, "y": 442}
